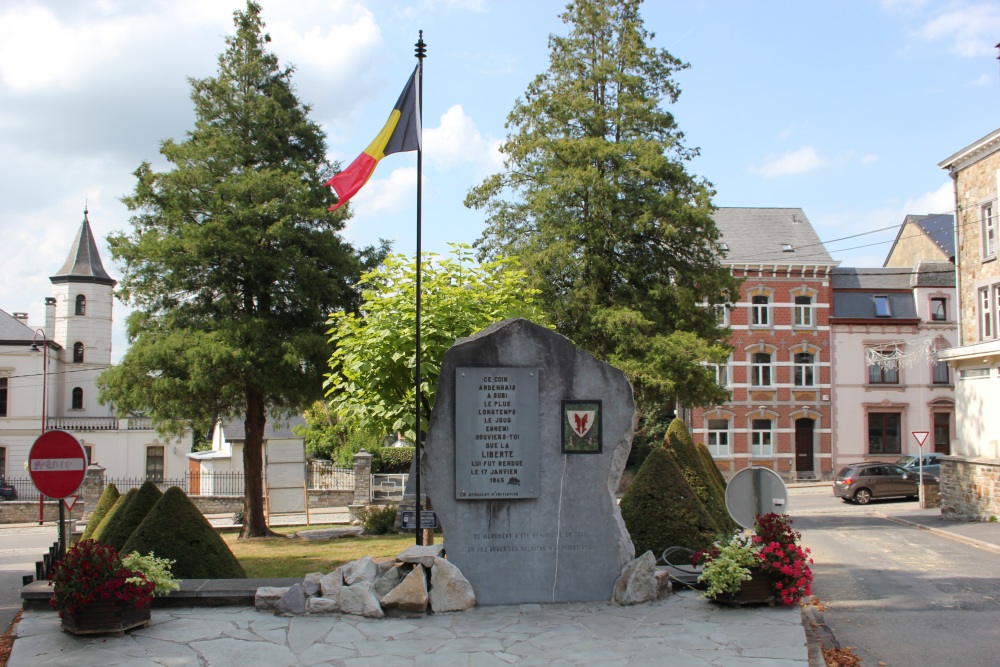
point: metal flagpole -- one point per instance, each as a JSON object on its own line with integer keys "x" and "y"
{"x": 420, "y": 53}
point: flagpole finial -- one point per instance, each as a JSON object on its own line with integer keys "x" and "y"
{"x": 421, "y": 48}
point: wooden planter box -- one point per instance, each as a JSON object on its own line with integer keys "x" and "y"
{"x": 106, "y": 617}
{"x": 754, "y": 592}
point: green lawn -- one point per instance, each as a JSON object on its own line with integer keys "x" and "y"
{"x": 296, "y": 556}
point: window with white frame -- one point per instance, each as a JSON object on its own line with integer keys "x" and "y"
{"x": 996, "y": 309}
{"x": 3, "y": 396}
{"x": 760, "y": 369}
{"x": 989, "y": 230}
{"x": 804, "y": 369}
{"x": 939, "y": 309}
{"x": 721, "y": 315}
{"x": 761, "y": 437}
{"x": 717, "y": 439}
{"x": 154, "y": 463}
{"x": 985, "y": 314}
{"x": 802, "y": 315}
{"x": 760, "y": 311}
{"x": 884, "y": 372}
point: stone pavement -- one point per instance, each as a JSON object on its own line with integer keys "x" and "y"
{"x": 681, "y": 631}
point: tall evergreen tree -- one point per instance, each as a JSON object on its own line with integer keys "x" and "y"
{"x": 233, "y": 263}
{"x": 596, "y": 202}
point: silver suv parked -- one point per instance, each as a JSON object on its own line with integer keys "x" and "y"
{"x": 860, "y": 482}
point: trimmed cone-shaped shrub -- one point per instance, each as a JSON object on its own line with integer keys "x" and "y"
{"x": 107, "y": 500}
{"x": 702, "y": 475}
{"x": 174, "y": 528}
{"x": 661, "y": 510}
{"x": 119, "y": 505}
{"x": 129, "y": 517}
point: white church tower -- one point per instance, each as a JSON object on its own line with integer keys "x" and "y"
{"x": 78, "y": 318}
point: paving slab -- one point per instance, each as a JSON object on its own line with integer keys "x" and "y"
{"x": 682, "y": 630}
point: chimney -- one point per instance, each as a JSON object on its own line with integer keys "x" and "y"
{"x": 50, "y": 317}
{"x": 22, "y": 318}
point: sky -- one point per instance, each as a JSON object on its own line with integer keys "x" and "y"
{"x": 841, "y": 109}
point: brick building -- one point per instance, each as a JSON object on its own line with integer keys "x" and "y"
{"x": 779, "y": 375}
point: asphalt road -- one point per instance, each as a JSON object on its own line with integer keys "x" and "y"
{"x": 898, "y": 595}
{"x": 19, "y": 549}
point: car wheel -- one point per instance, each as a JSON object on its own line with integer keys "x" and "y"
{"x": 862, "y": 496}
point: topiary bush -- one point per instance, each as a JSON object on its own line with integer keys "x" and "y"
{"x": 377, "y": 519}
{"x": 107, "y": 500}
{"x": 703, "y": 475}
{"x": 661, "y": 510}
{"x": 174, "y": 528}
{"x": 129, "y": 517}
{"x": 394, "y": 459}
{"x": 106, "y": 522}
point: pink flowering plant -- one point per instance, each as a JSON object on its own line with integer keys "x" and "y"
{"x": 772, "y": 548}
{"x": 93, "y": 571}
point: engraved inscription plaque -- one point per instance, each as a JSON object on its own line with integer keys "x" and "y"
{"x": 496, "y": 433}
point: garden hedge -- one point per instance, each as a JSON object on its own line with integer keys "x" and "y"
{"x": 701, "y": 473}
{"x": 661, "y": 510}
{"x": 174, "y": 528}
{"x": 107, "y": 500}
{"x": 129, "y": 517}
{"x": 119, "y": 505}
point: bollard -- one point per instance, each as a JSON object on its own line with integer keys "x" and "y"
{"x": 26, "y": 579}
{"x": 39, "y": 570}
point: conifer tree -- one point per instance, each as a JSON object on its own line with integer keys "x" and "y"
{"x": 233, "y": 263}
{"x": 596, "y": 202}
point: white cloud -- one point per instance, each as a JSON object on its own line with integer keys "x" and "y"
{"x": 941, "y": 200}
{"x": 458, "y": 141}
{"x": 983, "y": 81}
{"x": 869, "y": 159}
{"x": 790, "y": 163}
{"x": 386, "y": 195}
{"x": 973, "y": 29}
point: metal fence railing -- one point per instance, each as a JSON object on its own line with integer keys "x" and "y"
{"x": 388, "y": 487}
{"x": 328, "y": 477}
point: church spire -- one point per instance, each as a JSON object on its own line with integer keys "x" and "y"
{"x": 83, "y": 265}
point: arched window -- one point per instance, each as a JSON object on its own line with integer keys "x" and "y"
{"x": 77, "y": 398}
{"x": 81, "y": 304}
{"x": 77, "y": 353}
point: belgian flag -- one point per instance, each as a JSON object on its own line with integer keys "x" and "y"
{"x": 400, "y": 134}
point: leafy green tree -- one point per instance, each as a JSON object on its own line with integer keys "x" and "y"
{"x": 371, "y": 382}
{"x": 596, "y": 201}
{"x": 233, "y": 263}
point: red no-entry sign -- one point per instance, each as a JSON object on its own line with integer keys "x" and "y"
{"x": 57, "y": 464}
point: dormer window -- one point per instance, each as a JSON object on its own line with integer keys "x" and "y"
{"x": 724, "y": 247}
{"x": 882, "y": 306}
{"x": 81, "y": 304}
{"x": 787, "y": 247}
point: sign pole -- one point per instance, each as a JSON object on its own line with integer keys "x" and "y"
{"x": 921, "y": 438}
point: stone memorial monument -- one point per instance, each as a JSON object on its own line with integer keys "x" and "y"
{"x": 527, "y": 442}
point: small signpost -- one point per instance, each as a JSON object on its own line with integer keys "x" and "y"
{"x": 921, "y": 438}
{"x": 408, "y": 519}
{"x": 57, "y": 464}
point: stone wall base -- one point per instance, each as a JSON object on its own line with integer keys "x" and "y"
{"x": 26, "y": 511}
{"x": 970, "y": 488}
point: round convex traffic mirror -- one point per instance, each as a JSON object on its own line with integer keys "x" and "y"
{"x": 754, "y": 491}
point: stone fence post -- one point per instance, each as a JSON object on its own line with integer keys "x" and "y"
{"x": 362, "y": 483}
{"x": 93, "y": 487}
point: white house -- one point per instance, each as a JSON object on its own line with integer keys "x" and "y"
{"x": 50, "y": 372}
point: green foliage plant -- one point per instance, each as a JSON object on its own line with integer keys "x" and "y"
{"x": 394, "y": 460}
{"x": 176, "y": 530}
{"x": 731, "y": 564}
{"x": 233, "y": 262}
{"x": 129, "y": 517}
{"x": 107, "y": 500}
{"x": 370, "y": 385}
{"x": 109, "y": 518}
{"x": 596, "y": 201}
{"x": 156, "y": 570}
{"x": 661, "y": 510}
{"x": 377, "y": 519}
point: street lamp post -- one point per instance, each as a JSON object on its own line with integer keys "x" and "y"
{"x": 45, "y": 398}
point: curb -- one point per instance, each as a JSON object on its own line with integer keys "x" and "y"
{"x": 971, "y": 541}
{"x": 818, "y": 635}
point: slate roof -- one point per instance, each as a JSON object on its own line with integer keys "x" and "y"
{"x": 83, "y": 264}
{"x": 234, "y": 429}
{"x": 933, "y": 274}
{"x": 12, "y": 329}
{"x": 939, "y": 228}
{"x": 864, "y": 284}
{"x": 758, "y": 236}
